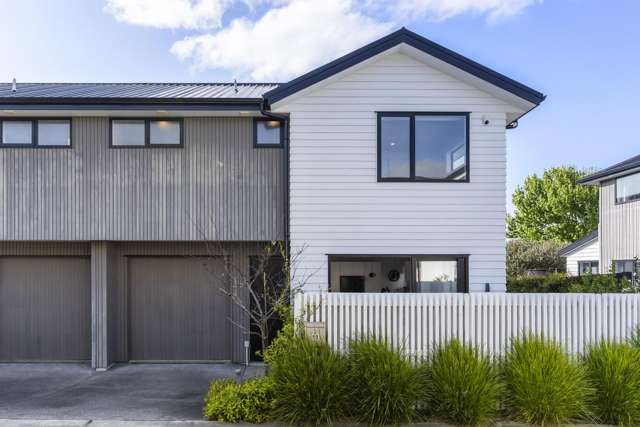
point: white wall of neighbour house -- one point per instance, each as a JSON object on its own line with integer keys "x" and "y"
{"x": 589, "y": 252}
{"x": 338, "y": 207}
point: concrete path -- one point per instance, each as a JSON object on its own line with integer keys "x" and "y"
{"x": 155, "y": 392}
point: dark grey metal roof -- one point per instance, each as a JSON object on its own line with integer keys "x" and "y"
{"x": 618, "y": 168}
{"x": 133, "y": 92}
{"x": 412, "y": 39}
{"x": 578, "y": 243}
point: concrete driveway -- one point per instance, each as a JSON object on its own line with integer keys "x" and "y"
{"x": 126, "y": 392}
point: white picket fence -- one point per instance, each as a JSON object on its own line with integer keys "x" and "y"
{"x": 416, "y": 322}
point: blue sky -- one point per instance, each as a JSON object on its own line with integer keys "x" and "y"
{"x": 583, "y": 54}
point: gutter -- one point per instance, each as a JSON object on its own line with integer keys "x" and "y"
{"x": 285, "y": 119}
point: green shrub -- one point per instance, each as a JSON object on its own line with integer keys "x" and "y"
{"x": 543, "y": 384}
{"x": 463, "y": 386}
{"x": 280, "y": 343}
{"x": 385, "y": 387}
{"x": 251, "y": 401}
{"x": 524, "y": 255}
{"x": 560, "y": 282}
{"x": 614, "y": 370}
{"x": 222, "y": 402}
{"x": 309, "y": 380}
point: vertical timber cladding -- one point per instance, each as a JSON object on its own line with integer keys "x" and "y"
{"x": 217, "y": 187}
{"x": 169, "y": 305}
{"x": 45, "y": 302}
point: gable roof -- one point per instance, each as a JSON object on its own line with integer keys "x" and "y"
{"x": 589, "y": 238}
{"x": 139, "y": 93}
{"x": 611, "y": 171}
{"x": 412, "y": 39}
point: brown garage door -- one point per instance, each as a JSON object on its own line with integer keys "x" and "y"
{"x": 176, "y": 309}
{"x": 45, "y": 308}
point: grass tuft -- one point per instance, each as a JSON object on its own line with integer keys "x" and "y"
{"x": 385, "y": 387}
{"x": 544, "y": 385}
{"x": 463, "y": 385}
{"x": 309, "y": 379}
{"x": 614, "y": 370}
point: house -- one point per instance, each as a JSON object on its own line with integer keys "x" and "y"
{"x": 583, "y": 255}
{"x": 616, "y": 244}
{"x": 122, "y": 203}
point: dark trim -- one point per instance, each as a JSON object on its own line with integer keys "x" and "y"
{"x": 286, "y": 174}
{"x": 412, "y": 146}
{"x": 147, "y": 132}
{"x": 34, "y": 132}
{"x": 412, "y": 39}
{"x": 593, "y": 235}
{"x": 591, "y": 262}
{"x": 635, "y": 197}
{"x": 619, "y": 168}
{"x": 255, "y": 132}
{"x": 462, "y": 260}
{"x": 8, "y": 104}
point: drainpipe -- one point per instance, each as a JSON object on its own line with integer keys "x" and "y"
{"x": 285, "y": 119}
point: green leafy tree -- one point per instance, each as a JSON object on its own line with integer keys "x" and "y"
{"x": 554, "y": 207}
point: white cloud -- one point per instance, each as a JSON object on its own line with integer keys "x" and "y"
{"x": 171, "y": 14}
{"x": 440, "y": 10}
{"x": 285, "y": 42}
{"x": 292, "y": 36}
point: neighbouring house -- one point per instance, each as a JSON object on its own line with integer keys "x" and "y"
{"x": 615, "y": 245}
{"x": 121, "y": 202}
{"x": 583, "y": 255}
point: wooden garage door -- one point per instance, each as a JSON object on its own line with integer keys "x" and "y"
{"x": 176, "y": 309}
{"x": 45, "y": 308}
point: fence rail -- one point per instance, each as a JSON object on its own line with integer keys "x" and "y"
{"x": 416, "y": 322}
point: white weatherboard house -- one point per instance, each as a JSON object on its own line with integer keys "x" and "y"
{"x": 615, "y": 245}
{"x": 122, "y": 202}
{"x": 397, "y": 167}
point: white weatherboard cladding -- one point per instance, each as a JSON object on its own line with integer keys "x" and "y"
{"x": 589, "y": 252}
{"x": 338, "y": 207}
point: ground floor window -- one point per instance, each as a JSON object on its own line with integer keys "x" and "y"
{"x": 624, "y": 266}
{"x": 588, "y": 267}
{"x": 399, "y": 273}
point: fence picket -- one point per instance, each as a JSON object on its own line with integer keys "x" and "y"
{"x": 417, "y": 322}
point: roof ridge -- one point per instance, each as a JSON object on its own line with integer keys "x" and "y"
{"x": 150, "y": 83}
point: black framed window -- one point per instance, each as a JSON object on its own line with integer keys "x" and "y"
{"x": 398, "y": 273}
{"x": 38, "y": 133}
{"x": 628, "y": 188}
{"x": 588, "y": 267}
{"x": 267, "y": 133}
{"x": 624, "y": 266}
{"x": 146, "y": 133}
{"x": 426, "y": 147}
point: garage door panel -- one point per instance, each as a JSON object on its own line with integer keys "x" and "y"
{"x": 45, "y": 308}
{"x": 176, "y": 309}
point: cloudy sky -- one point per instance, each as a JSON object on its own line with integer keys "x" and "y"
{"x": 584, "y": 54}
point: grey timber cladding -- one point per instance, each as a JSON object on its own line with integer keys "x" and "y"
{"x": 217, "y": 187}
{"x": 619, "y": 227}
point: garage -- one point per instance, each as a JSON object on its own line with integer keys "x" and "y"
{"x": 176, "y": 309}
{"x": 45, "y": 308}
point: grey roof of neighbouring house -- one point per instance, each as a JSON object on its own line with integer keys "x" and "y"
{"x": 617, "y": 169}
{"x": 579, "y": 243}
{"x": 29, "y": 93}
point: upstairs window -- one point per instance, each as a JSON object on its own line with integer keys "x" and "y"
{"x": 628, "y": 188}
{"x": 429, "y": 147}
{"x": 35, "y": 132}
{"x": 267, "y": 133}
{"x": 54, "y": 133}
{"x": 146, "y": 133}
